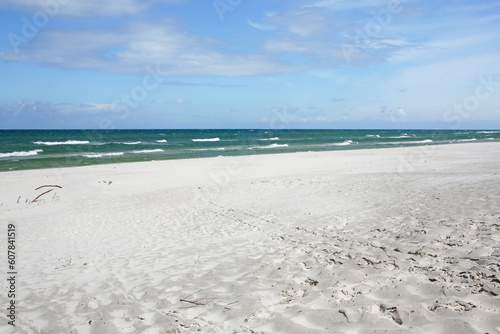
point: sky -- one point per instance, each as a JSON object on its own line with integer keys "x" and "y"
{"x": 273, "y": 64}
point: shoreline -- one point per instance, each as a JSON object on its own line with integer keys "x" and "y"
{"x": 401, "y": 239}
{"x": 47, "y": 149}
{"x": 252, "y": 156}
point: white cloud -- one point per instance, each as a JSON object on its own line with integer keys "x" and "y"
{"x": 296, "y": 23}
{"x": 350, "y": 4}
{"x": 42, "y": 114}
{"x": 322, "y": 35}
{"x": 286, "y": 47}
{"x": 260, "y": 26}
{"x": 81, "y": 8}
{"x": 388, "y": 114}
{"x": 329, "y": 35}
{"x": 129, "y": 51}
{"x": 176, "y": 101}
{"x": 28, "y": 106}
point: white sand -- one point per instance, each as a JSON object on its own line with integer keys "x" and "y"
{"x": 403, "y": 240}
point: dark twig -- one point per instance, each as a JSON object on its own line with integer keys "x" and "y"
{"x": 192, "y": 302}
{"x": 49, "y": 185}
{"x": 48, "y": 191}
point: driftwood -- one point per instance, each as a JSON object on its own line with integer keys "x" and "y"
{"x": 48, "y": 191}
{"x": 49, "y": 185}
{"x": 191, "y": 302}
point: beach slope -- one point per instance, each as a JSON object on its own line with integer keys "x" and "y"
{"x": 403, "y": 240}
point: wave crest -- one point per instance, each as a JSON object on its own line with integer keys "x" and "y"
{"x": 207, "y": 139}
{"x": 20, "y": 153}
{"x": 67, "y": 142}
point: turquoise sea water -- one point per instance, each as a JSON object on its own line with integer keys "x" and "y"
{"x": 31, "y": 149}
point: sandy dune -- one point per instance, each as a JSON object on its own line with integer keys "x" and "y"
{"x": 403, "y": 240}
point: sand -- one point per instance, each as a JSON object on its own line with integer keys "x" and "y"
{"x": 403, "y": 240}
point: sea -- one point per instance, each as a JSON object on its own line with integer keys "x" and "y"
{"x": 35, "y": 149}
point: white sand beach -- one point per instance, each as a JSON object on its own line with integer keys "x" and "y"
{"x": 402, "y": 240}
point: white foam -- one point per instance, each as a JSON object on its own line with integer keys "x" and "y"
{"x": 276, "y": 145}
{"x": 209, "y": 149}
{"x": 345, "y": 143}
{"x": 67, "y": 142}
{"x": 208, "y": 139}
{"x": 133, "y": 143}
{"x": 466, "y": 140}
{"x": 20, "y": 153}
{"x": 161, "y": 141}
{"x": 100, "y": 155}
{"x": 373, "y": 136}
{"x": 270, "y": 146}
{"x": 407, "y": 142}
{"x": 275, "y": 138}
{"x": 148, "y": 151}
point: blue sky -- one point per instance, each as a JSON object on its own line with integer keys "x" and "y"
{"x": 249, "y": 64}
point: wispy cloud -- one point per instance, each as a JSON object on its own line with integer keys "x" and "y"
{"x": 45, "y": 114}
{"x": 349, "y": 4}
{"x": 260, "y": 26}
{"x": 182, "y": 83}
{"x": 331, "y": 34}
{"x": 177, "y": 101}
{"x": 28, "y": 106}
{"x": 316, "y": 36}
{"x": 130, "y": 49}
{"x": 393, "y": 115}
{"x": 83, "y": 8}
{"x": 301, "y": 38}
